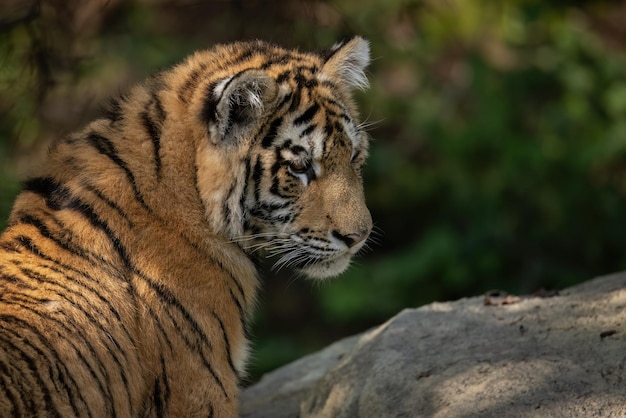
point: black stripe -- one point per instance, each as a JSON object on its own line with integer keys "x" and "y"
{"x": 159, "y": 325}
{"x": 90, "y": 257}
{"x": 55, "y": 194}
{"x": 16, "y": 281}
{"x": 233, "y": 279}
{"x": 277, "y": 165}
{"x": 253, "y": 229}
{"x": 296, "y": 71}
{"x": 166, "y": 383}
{"x": 33, "y": 275}
{"x": 271, "y": 133}
{"x": 46, "y": 233}
{"x": 153, "y": 118}
{"x": 305, "y": 76}
{"x": 88, "y": 212}
{"x": 113, "y": 111}
{"x": 166, "y": 296}
{"x": 296, "y": 149}
{"x": 329, "y": 130}
{"x": 257, "y": 177}
{"x": 242, "y": 198}
{"x": 307, "y": 115}
{"x": 9, "y": 247}
{"x": 329, "y": 102}
{"x": 221, "y": 266}
{"x": 251, "y": 49}
{"x": 191, "y": 83}
{"x": 229, "y": 353}
{"x": 242, "y": 314}
{"x": 295, "y": 100}
{"x": 308, "y": 130}
{"x": 106, "y": 147}
{"x": 246, "y": 54}
{"x": 270, "y": 216}
{"x": 279, "y": 161}
{"x": 154, "y": 132}
{"x": 276, "y": 59}
{"x": 304, "y": 82}
{"x": 158, "y": 108}
{"x": 282, "y": 77}
{"x": 110, "y": 203}
{"x": 208, "y": 114}
{"x": 327, "y": 54}
{"x": 284, "y": 101}
{"x": 283, "y": 192}
{"x": 95, "y": 221}
{"x": 271, "y": 206}
{"x": 157, "y": 399}
{"x": 338, "y": 127}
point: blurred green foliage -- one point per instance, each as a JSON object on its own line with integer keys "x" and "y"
{"x": 499, "y": 158}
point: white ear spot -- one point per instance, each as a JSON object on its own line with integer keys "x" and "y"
{"x": 219, "y": 88}
{"x": 349, "y": 61}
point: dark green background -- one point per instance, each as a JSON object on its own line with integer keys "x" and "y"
{"x": 499, "y": 153}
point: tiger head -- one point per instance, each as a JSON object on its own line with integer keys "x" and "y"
{"x": 289, "y": 127}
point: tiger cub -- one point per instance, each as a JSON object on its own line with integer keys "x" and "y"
{"x": 127, "y": 271}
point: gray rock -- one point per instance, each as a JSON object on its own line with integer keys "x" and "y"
{"x": 562, "y": 356}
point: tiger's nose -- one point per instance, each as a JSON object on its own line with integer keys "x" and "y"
{"x": 352, "y": 239}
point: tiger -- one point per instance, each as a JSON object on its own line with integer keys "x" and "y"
{"x": 130, "y": 264}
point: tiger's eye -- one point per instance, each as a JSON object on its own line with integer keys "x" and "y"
{"x": 299, "y": 166}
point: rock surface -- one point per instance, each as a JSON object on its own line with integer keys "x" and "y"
{"x": 561, "y": 356}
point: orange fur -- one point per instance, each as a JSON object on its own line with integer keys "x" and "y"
{"x": 126, "y": 272}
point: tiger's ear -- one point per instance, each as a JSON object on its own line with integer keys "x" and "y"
{"x": 236, "y": 103}
{"x": 347, "y": 62}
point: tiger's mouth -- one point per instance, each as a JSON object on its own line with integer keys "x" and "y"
{"x": 323, "y": 268}
{"x": 291, "y": 252}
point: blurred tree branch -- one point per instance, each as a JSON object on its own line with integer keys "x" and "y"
{"x": 15, "y": 12}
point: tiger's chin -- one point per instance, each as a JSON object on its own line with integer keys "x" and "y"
{"x": 326, "y": 269}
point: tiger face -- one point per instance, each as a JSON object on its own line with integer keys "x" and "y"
{"x": 302, "y": 149}
{"x": 310, "y": 207}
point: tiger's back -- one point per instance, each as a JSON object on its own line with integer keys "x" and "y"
{"x": 127, "y": 272}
